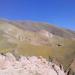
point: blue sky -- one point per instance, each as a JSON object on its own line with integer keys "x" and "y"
{"x": 57, "y": 12}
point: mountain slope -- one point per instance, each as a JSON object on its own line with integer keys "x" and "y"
{"x": 40, "y": 39}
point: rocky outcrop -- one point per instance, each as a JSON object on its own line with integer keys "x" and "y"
{"x": 27, "y": 66}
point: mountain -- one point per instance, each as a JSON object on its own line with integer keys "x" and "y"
{"x": 38, "y": 39}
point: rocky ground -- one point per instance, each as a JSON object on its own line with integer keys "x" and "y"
{"x": 33, "y": 65}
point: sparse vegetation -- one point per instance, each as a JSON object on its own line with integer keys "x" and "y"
{"x": 27, "y": 41}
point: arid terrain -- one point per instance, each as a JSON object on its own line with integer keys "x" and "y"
{"x": 37, "y": 39}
